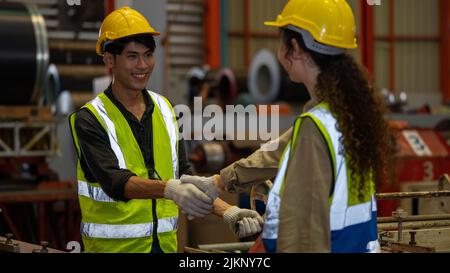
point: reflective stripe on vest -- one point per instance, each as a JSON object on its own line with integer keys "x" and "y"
{"x": 271, "y": 221}
{"x": 111, "y": 130}
{"x": 353, "y": 225}
{"x": 170, "y": 119}
{"x": 94, "y": 193}
{"x": 127, "y": 231}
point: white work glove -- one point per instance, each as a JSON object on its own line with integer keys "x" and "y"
{"x": 243, "y": 222}
{"x": 189, "y": 198}
{"x": 206, "y": 184}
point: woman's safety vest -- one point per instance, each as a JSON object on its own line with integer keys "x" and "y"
{"x": 353, "y": 223}
{"x": 109, "y": 225}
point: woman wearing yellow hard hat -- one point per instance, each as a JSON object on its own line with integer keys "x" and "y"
{"x": 323, "y": 195}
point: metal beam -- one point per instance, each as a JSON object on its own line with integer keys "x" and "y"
{"x": 212, "y": 32}
{"x": 419, "y": 194}
{"x": 445, "y": 49}
{"x": 366, "y": 36}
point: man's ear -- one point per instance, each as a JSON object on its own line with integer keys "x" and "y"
{"x": 108, "y": 59}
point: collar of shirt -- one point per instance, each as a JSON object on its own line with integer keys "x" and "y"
{"x": 149, "y": 105}
{"x": 310, "y": 104}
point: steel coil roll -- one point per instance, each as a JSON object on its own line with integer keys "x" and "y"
{"x": 23, "y": 54}
{"x": 210, "y": 157}
{"x": 268, "y": 82}
{"x": 224, "y": 84}
{"x": 52, "y": 86}
{"x": 264, "y": 79}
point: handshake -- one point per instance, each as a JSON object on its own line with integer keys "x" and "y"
{"x": 195, "y": 195}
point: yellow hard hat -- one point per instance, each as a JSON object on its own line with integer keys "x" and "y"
{"x": 122, "y": 23}
{"x": 330, "y": 22}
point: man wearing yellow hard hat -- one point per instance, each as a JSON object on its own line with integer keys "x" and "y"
{"x": 129, "y": 153}
{"x": 322, "y": 199}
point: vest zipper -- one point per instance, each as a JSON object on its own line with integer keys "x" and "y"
{"x": 155, "y": 222}
{"x": 155, "y": 217}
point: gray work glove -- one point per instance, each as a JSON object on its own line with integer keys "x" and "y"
{"x": 243, "y": 222}
{"x": 206, "y": 184}
{"x": 189, "y": 198}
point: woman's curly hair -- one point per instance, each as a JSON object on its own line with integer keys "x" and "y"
{"x": 359, "y": 112}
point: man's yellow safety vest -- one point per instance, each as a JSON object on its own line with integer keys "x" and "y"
{"x": 109, "y": 225}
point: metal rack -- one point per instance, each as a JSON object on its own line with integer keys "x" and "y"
{"x": 27, "y": 139}
{"x": 399, "y": 233}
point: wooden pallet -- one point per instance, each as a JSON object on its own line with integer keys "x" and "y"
{"x": 25, "y": 113}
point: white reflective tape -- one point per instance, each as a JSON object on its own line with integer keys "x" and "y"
{"x": 358, "y": 214}
{"x": 171, "y": 127}
{"x": 107, "y": 231}
{"x": 94, "y": 193}
{"x": 167, "y": 224}
{"x": 340, "y": 193}
{"x": 354, "y": 215}
{"x": 272, "y": 216}
{"x": 373, "y": 247}
{"x": 98, "y": 105}
{"x": 374, "y": 203}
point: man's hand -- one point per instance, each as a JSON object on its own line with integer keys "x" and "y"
{"x": 206, "y": 184}
{"x": 243, "y": 222}
{"x": 189, "y": 198}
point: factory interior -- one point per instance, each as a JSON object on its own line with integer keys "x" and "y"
{"x": 219, "y": 51}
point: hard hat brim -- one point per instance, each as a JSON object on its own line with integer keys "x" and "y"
{"x": 339, "y": 45}
{"x": 156, "y": 33}
{"x": 153, "y": 33}
{"x": 272, "y": 24}
{"x": 100, "y": 52}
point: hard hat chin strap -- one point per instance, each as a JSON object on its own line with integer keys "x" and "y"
{"x": 312, "y": 45}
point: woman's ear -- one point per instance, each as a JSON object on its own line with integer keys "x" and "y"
{"x": 108, "y": 59}
{"x": 297, "y": 51}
